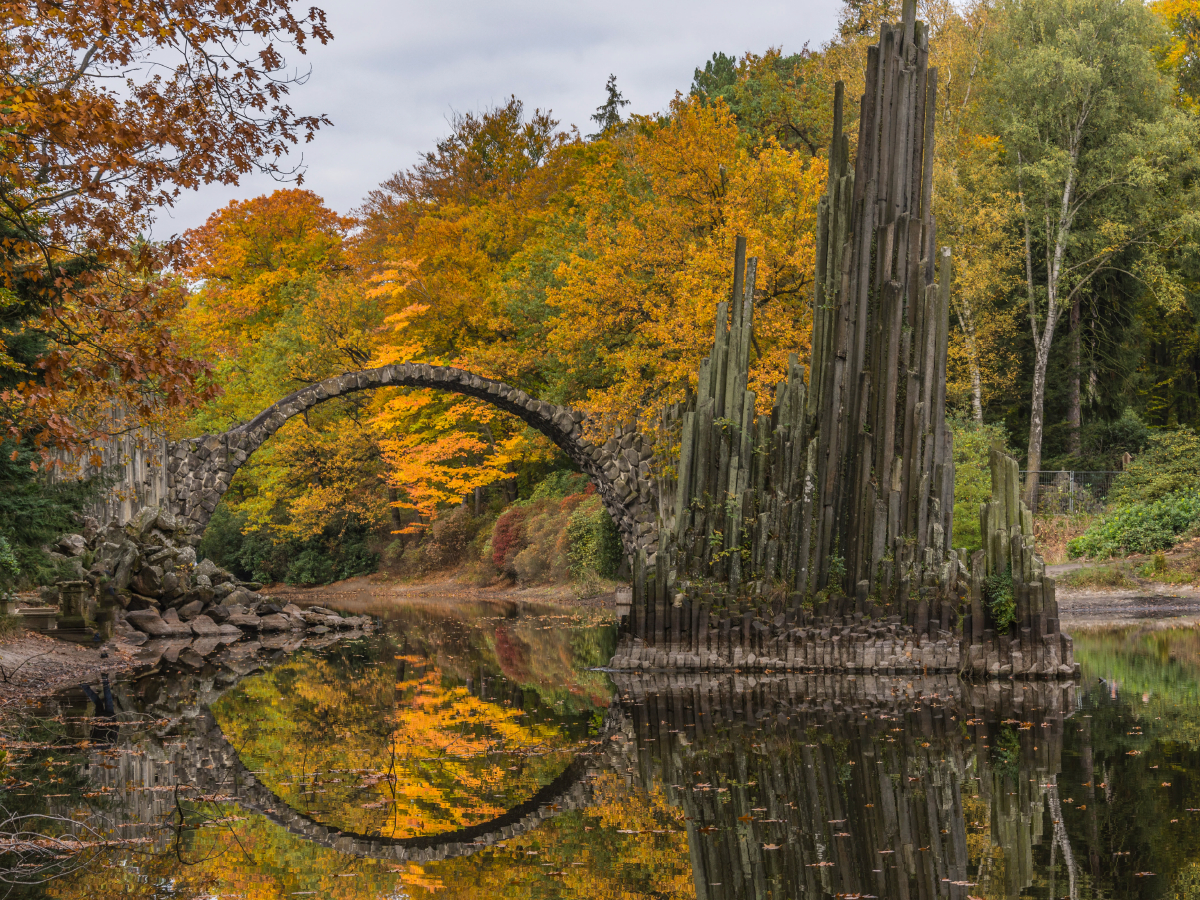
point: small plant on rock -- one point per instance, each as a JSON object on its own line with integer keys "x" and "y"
{"x": 1000, "y": 596}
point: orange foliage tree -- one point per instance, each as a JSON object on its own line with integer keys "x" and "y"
{"x": 105, "y": 114}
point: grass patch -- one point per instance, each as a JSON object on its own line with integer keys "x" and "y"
{"x": 1115, "y": 576}
{"x": 1053, "y": 533}
{"x": 10, "y": 625}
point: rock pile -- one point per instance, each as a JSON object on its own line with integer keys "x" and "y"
{"x": 148, "y": 570}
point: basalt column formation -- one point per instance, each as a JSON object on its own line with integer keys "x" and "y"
{"x": 838, "y": 500}
{"x": 815, "y": 533}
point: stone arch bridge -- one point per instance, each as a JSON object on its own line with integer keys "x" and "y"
{"x": 199, "y": 470}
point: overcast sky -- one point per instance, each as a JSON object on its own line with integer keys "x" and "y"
{"x": 395, "y": 71}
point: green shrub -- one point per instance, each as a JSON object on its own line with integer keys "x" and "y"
{"x": 1139, "y": 527}
{"x": 1169, "y": 465}
{"x": 269, "y": 555}
{"x": 311, "y": 567}
{"x": 34, "y": 512}
{"x": 10, "y": 569}
{"x": 593, "y": 542}
{"x": 1000, "y": 595}
{"x": 972, "y": 476}
{"x": 557, "y": 485}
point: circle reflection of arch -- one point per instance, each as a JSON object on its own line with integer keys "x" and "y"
{"x": 223, "y": 770}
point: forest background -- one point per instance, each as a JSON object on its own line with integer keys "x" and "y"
{"x": 582, "y": 268}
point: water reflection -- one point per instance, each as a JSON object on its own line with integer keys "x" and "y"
{"x": 473, "y": 752}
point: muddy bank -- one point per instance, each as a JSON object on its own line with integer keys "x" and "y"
{"x": 33, "y": 665}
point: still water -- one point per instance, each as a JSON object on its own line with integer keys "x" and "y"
{"x": 474, "y": 750}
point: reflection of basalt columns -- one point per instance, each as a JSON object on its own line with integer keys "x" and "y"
{"x": 823, "y": 787}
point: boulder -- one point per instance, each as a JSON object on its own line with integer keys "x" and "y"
{"x": 166, "y": 521}
{"x": 137, "y": 602}
{"x": 123, "y": 571}
{"x": 171, "y": 615}
{"x": 221, "y": 591}
{"x": 199, "y": 579}
{"x": 142, "y": 521}
{"x": 244, "y": 621}
{"x": 171, "y": 586}
{"x": 203, "y": 626}
{"x": 292, "y": 609}
{"x": 238, "y": 595}
{"x": 73, "y": 544}
{"x": 186, "y": 556}
{"x": 148, "y": 581}
{"x": 206, "y": 646}
{"x": 151, "y": 623}
{"x": 217, "y": 613}
{"x": 208, "y": 568}
{"x": 228, "y": 628}
{"x": 48, "y": 594}
{"x": 189, "y": 611}
{"x": 275, "y": 622}
{"x": 91, "y": 529}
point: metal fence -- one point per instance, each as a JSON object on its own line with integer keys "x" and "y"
{"x": 1064, "y": 493}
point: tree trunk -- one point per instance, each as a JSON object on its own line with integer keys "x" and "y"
{"x": 966, "y": 321}
{"x": 394, "y": 511}
{"x": 1074, "y": 410}
{"x": 1033, "y": 461}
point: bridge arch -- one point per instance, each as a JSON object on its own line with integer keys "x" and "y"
{"x": 199, "y": 470}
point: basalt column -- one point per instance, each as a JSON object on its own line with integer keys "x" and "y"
{"x": 837, "y": 502}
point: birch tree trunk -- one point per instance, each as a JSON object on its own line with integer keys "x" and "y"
{"x": 1058, "y": 233}
{"x": 966, "y": 321}
{"x": 1074, "y": 404}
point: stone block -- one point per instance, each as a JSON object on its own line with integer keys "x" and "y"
{"x": 203, "y": 626}
{"x": 245, "y": 621}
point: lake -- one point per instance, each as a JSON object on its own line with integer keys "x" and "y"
{"x": 476, "y": 750}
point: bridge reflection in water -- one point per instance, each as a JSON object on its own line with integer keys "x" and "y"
{"x": 789, "y": 786}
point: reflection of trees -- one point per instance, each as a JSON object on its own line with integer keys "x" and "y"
{"x": 396, "y": 752}
{"x": 811, "y": 786}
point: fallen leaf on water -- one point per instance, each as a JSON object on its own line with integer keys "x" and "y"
{"x": 770, "y": 846}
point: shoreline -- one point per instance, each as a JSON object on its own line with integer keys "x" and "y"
{"x": 34, "y": 665}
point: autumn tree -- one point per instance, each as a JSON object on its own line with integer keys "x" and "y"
{"x": 659, "y": 211}
{"x": 105, "y": 115}
{"x": 785, "y": 99}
